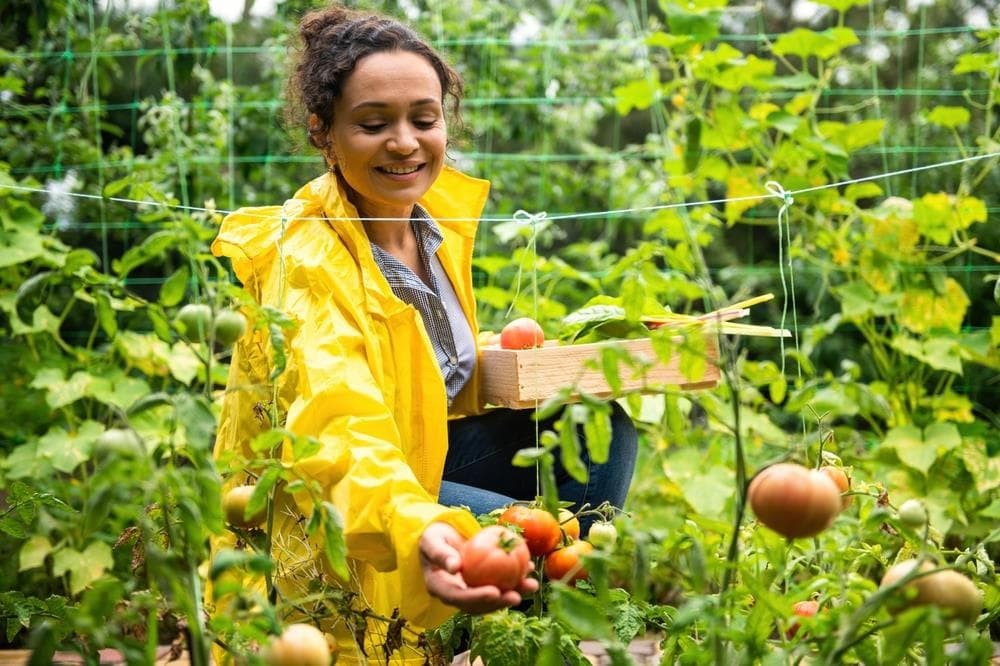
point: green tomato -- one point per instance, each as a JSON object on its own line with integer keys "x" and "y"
{"x": 118, "y": 442}
{"x": 603, "y": 535}
{"x": 229, "y": 326}
{"x": 913, "y": 513}
{"x": 193, "y": 321}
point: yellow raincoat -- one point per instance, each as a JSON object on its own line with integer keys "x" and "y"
{"x": 362, "y": 378}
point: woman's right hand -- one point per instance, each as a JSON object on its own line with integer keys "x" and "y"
{"x": 441, "y": 557}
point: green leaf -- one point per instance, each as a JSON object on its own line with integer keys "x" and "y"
{"x": 806, "y": 43}
{"x": 268, "y": 440}
{"x": 174, "y": 287}
{"x": 940, "y": 352}
{"x": 153, "y": 247}
{"x": 579, "y": 612}
{"x": 334, "y": 544}
{"x": 918, "y": 449}
{"x": 227, "y": 559}
{"x": 597, "y": 435}
{"x": 106, "y": 314}
{"x": 33, "y": 553}
{"x": 639, "y": 94}
{"x": 84, "y": 567}
{"x": 262, "y": 490}
{"x": 951, "y": 117}
{"x": 843, "y": 5}
{"x": 969, "y": 63}
{"x": 569, "y": 446}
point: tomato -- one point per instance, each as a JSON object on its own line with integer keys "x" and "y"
{"x": 566, "y": 563}
{"x": 234, "y": 506}
{"x": 839, "y": 478}
{"x": 569, "y": 524}
{"x": 193, "y": 321}
{"x": 806, "y": 608}
{"x": 495, "y": 556}
{"x": 522, "y": 333}
{"x": 118, "y": 442}
{"x": 229, "y": 326}
{"x": 300, "y": 645}
{"x": 953, "y": 593}
{"x": 539, "y": 528}
{"x": 913, "y": 513}
{"x": 794, "y": 501}
{"x": 603, "y": 535}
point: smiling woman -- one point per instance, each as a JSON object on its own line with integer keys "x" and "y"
{"x": 372, "y": 261}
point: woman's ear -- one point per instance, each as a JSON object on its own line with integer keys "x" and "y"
{"x": 321, "y": 140}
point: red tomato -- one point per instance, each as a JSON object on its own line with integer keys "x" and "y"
{"x": 569, "y": 524}
{"x": 947, "y": 589}
{"x": 806, "y": 608}
{"x": 523, "y": 333}
{"x": 299, "y": 645}
{"x": 794, "y": 501}
{"x": 539, "y": 528}
{"x": 565, "y": 564}
{"x": 495, "y": 556}
{"x": 839, "y": 478}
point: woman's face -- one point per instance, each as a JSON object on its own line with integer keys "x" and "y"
{"x": 388, "y": 135}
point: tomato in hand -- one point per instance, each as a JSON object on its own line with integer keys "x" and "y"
{"x": 794, "y": 501}
{"x": 495, "y": 556}
{"x": 539, "y": 528}
{"x": 839, "y": 478}
{"x": 522, "y": 333}
{"x": 566, "y": 564}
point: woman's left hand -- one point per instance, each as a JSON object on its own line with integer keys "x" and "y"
{"x": 441, "y": 557}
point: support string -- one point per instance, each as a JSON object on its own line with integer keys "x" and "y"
{"x": 555, "y": 216}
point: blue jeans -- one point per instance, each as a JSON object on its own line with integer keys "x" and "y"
{"x": 478, "y": 472}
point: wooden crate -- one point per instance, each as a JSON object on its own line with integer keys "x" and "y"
{"x": 522, "y": 378}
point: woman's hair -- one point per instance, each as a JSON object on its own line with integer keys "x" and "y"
{"x": 333, "y": 41}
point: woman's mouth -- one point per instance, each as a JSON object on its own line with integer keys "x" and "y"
{"x": 399, "y": 170}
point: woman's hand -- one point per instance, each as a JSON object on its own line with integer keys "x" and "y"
{"x": 440, "y": 554}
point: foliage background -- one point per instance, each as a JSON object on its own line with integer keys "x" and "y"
{"x": 575, "y": 108}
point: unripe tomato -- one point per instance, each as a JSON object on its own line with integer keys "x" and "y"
{"x": 794, "y": 501}
{"x": 839, "y": 478}
{"x": 569, "y": 524}
{"x": 229, "y": 326}
{"x": 234, "y": 507}
{"x": 118, "y": 442}
{"x": 603, "y": 535}
{"x": 495, "y": 556}
{"x": 194, "y": 320}
{"x": 913, "y": 513}
{"x": 806, "y": 608}
{"x": 565, "y": 564}
{"x": 300, "y": 645}
{"x": 953, "y": 593}
{"x": 539, "y": 528}
{"x": 522, "y": 333}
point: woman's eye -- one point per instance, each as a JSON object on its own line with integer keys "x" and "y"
{"x": 425, "y": 123}
{"x": 372, "y": 127}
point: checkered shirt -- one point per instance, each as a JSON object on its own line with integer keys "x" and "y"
{"x": 447, "y": 328}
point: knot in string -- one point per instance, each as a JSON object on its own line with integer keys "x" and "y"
{"x": 524, "y": 217}
{"x": 775, "y": 189}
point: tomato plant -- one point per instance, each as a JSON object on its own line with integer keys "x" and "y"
{"x": 300, "y": 645}
{"x": 794, "y": 501}
{"x": 566, "y": 563}
{"x": 539, "y": 528}
{"x": 495, "y": 556}
{"x": 522, "y": 333}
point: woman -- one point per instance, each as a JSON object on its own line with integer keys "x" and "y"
{"x": 372, "y": 261}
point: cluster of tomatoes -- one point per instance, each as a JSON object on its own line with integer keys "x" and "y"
{"x": 798, "y": 502}
{"x": 196, "y": 321}
{"x": 501, "y": 554}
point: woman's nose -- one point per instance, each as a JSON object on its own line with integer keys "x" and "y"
{"x": 403, "y": 141}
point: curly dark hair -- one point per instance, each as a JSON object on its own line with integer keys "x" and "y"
{"x": 333, "y": 40}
